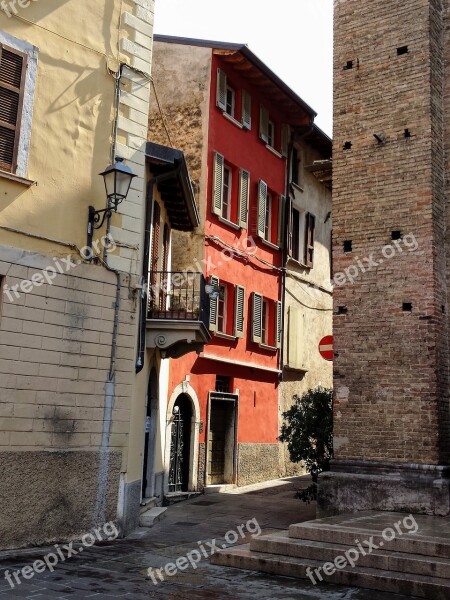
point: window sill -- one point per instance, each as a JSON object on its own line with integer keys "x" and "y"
{"x": 266, "y": 347}
{"x": 225, "y": 336}
{"x": 270, "y": 244}
{"x": 296, "y": 186}
{"x": 232, "y": 120}
{"x": 229, "y": 223}
{"x": 17, "y": 179}
{"x": 297, "y": 263}
{"x": 274, "y": 151}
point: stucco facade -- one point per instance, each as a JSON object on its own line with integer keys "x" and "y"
{"x": 68, "y": 341}
{"x": 233, "y": 368}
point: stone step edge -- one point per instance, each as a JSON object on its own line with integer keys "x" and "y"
{"x": 438, "y": 547}
{"x": 257, "y": 545}
{"x": 430, "y": 588}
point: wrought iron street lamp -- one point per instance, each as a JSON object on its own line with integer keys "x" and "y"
{"x": 117, "y": 178}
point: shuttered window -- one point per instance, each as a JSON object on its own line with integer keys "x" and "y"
{"x": 217, "y": 196}
{"x": 257, "y": 305}
{"x": 221, "y": 99}
{"x": 285, "y": 135}
{"x": 246, "y": 110}
{"x": 281, "y": 220}
{"x": 264, "y": 124}
{"x": 214, "y": 305}
{"x": 309, "y": 239}
{"x": 262, "y": 201}
{"x": 239, "y": 306}
{"x": 12, "y": 84}
{"x": 244, "y": 194}
{"x": 278, "y": 323}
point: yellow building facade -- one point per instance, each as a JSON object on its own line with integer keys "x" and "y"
{"x": 74, "y": 95}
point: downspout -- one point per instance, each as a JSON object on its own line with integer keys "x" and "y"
{"x": 287, "y": 210}
{"x": 140, "y": 360}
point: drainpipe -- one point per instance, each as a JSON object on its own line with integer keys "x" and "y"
{"x": 287, "y": 210}
{"x": 140, "y": 360}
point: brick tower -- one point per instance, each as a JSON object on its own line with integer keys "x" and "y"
{"x": 390, "y": 222}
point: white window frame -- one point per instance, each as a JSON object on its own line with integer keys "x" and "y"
{"x": 226, "y": 192}
{"x": 232, "y": 112}
{"x": 32, "y": 53}
{"x": 224, "y": 304}
{"x": 268, "y": 210}
{"x": 301, "y": 234}
{"x": 271, "y": 133}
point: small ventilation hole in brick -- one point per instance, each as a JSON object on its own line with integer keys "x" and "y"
{"x": 407, "y": 307}
{"x": 342, "y": 310}
{"x": 348, "y": 65}
{"x": 443, "y": 309}
{"x": 396, "y": 235}
{"x": 347, "y": 245}
{"x": 407, "y": 133}
{"x": 347, "y": 146}
{"x": 402, "y": 50}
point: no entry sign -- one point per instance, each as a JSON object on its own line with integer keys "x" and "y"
{"x": 326, "y": 347}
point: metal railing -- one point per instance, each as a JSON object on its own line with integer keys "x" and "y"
{"x": 178, "y": 295}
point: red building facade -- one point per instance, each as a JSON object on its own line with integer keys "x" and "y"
{"x": 229, "y": 393}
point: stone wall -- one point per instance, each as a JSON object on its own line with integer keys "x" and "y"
{"x": 391, "y": 340}
{"x": 257, "y": 462}
{"x": 55, "y": 359}
{"x": 185, "y": 116}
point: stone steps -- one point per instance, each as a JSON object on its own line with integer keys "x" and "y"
{"x": 426, "y": 545}
{"x": 282, "y": 544}
{"x": 390, "y": 552}
{"x": 407, "y": 584}
{"x": 152, "y": 516}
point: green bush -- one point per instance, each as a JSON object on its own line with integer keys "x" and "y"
{"x": 308, "y": 431}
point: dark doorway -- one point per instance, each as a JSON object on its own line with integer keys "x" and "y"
{"x": 221, "y": 441}
{"x": 180, "y": 445}
{"x": 151, "y": 421}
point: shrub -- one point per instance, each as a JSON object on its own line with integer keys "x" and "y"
{"x": 308, "y": 431}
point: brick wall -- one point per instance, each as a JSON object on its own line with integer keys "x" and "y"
{"x": 390, "y": 367}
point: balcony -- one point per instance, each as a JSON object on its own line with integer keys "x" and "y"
{"x": 178, "y": 313}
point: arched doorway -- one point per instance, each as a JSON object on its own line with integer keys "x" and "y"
{"x": 180, "y": 445}
{"x": 151, "y": 424}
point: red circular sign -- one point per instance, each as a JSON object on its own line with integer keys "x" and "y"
{"x": 326, "y": 347}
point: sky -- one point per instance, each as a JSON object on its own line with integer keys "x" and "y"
{"x": 292, "y": 37}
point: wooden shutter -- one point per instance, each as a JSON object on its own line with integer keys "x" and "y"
{"x": 264, "y": 124}
{"x": 12, "y": 85}
{"x": 221, "y": 99}
{"x": 246, "y": 110}
{"x": 278, "y": 323}
{"x": 281, "y": 220}
{"x": 239, "y": 306}
{"x": 257, "y": 306}
{"x": 244, "y": 195}
{"x": 310, "y": 225}
{"x": 217, "y": 197}
{"x": 289, "y": 226}
{"x": 285, "y": 135}
{"x": 262, "y": 199}
{"x": 214, "y": 305}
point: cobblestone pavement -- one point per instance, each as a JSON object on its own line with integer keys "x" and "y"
{"x": 119, "y": 569}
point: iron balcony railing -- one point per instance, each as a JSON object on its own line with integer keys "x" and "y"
{"x": 179, "y": 296}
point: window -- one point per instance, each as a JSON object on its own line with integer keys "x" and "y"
{"x": 301, "y": 236}
{"x": 271, "y": 134}
{"x": 230, "y": 202}
{"x": 18, "y": 67}
{"x": 269, "y": 218}
{"x": 222, "y": 310}
{"x": 297, "y": 167}
{"x": 266, "y": 321}
{"x": 296, "y": 243}
{"x": 230, "y": 102}
{"x": 226, "y": 198}
{"x": 227, "y": 309}
{"x": 12, "y": 87}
